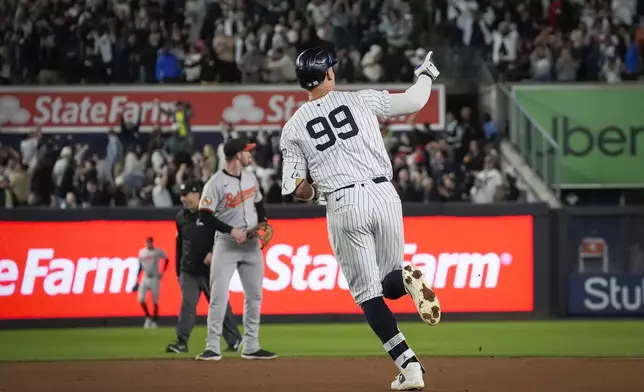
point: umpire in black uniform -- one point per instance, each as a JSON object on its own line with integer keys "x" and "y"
{"x": 194, "y": 252}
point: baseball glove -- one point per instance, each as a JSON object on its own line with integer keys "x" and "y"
{"x": 265, "y": 233}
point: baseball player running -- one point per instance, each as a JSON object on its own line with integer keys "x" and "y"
{"x": 231, "y": 204}
{"x": 149, "y": 264}
{"x": 194, "y": 256}
{"x": 336, "y": 137}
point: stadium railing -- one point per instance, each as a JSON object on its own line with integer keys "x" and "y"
{"x": 540, "y": 151}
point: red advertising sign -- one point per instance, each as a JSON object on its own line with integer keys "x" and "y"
{"x": 87, "y": 269}
{"x": 94, "y": 109}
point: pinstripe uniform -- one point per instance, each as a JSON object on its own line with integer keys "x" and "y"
{"x": 337, "y": 137}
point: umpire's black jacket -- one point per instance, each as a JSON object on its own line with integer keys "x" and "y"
{"x": 194, "y": 242}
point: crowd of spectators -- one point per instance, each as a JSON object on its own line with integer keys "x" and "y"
{"x": 166, "y": 41}
{"x": 247, "y": 41}
{"x": 252, "y": 41}
{"x": 459, "y": 163}
{"x": 557, "y": 40}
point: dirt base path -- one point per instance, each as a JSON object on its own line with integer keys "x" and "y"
{"x": 328, "y": 375}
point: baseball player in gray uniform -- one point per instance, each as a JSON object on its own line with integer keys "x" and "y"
{"x": 194, "y": 256}
{"x": 149, "y": 264}
{"x": 336, "y": 137}
{"x": 231, "y": 203}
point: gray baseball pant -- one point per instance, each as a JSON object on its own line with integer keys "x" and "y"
{"x": 247, "y": 259}
{"x": 191, "y": 288}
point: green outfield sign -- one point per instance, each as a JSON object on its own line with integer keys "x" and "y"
{"x": 600, "y": 129}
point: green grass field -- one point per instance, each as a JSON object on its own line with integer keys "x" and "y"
{"x": 533, "y": 339}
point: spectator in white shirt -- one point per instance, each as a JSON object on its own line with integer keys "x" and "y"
{"x": 320, "y": 11}
{"x": 29, "y": 149}
{"x": 541, "y": 63}
{"x": 64, "y": 159}
{"x": 611, "y": 70}
{"x": 488, "y": 184}
{"x": 504, "y": 46}
{"x": 161, "y": 197}
{"x": 103, "y": 46}
{"x": 371, "y": 67}
{"x": 192, "y": 65}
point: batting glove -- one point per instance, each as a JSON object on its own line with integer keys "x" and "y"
{"x": 427, "y": 67}
{"x": 322, "y": 200}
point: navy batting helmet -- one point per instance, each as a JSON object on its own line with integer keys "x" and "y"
{"x": 311, "y": 67}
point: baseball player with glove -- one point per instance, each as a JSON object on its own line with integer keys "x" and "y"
{"x": 231, "y": 204}
{"x": 336, "y": 136}
{"x": 194, "y": 257}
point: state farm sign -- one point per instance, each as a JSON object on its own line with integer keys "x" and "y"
{"x": 476, "y": 264}
{"x": 58, "y": 275}
{"x": 293, "y": 269}
{"x": 454, "y": 270}
{"x": 85, "y": 109}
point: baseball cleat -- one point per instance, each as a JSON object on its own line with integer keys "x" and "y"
{"x": 424, "y": 297}
{"x": 409, "y": 379}
{"x": 260, "y": 354}
{"x": 147, "y": 323}
{"x": 153, "y": 325}
{"x": 208, "y": 355}
{"x": 178, "y": 347}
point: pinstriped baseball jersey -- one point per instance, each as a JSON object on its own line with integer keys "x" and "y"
{"x": 338, "y": 138}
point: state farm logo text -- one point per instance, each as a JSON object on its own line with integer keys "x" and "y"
{"x": 287, "y": 267}
{"x": 53, "y": 110}
{"x": 79, "y": 110}
{"x": 57, "y": 275}
{"x": 298, "y": 269}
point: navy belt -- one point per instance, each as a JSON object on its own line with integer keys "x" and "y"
{"x": 377, "y": 180}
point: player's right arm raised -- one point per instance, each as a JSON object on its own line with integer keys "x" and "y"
{"x": 384, "y": 104}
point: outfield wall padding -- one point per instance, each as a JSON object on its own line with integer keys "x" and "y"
{"x": 75, "y": 267}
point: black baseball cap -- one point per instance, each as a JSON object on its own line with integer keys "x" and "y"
{"x": 190, "y": 186}
{"x": 234, "y": 146}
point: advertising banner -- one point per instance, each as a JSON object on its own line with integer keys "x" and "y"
{"x": 598, "y": 127}
{"x": 97, "y": 108}
{"x": 606, "y": 294}
{"x": 87, "y": 269}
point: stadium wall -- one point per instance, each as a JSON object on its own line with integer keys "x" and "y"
{"x": 77, "y": 267}
{"x": 600, "y": 269}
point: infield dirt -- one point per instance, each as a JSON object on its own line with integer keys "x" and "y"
{"x": 323, "y": 374}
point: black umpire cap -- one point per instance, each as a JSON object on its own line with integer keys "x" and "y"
{"x": 234, "y": 146}
{"x": 311, "y": 67}
{"x": 190, "y": 186}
